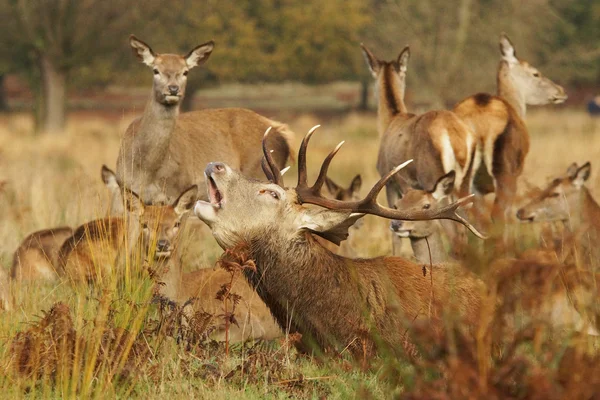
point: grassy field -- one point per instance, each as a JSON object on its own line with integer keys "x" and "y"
{"x": 55, "y": 180}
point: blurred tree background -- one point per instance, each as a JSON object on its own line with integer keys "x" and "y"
{"x": 60, "y": 46}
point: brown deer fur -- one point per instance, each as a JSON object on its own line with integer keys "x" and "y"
{"x": 36, "y": 258}
{"x": 162, "y": 151}
{"x": 502, "y": 136}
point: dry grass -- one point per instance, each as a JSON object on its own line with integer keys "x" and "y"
{"x": 53, "y": 181}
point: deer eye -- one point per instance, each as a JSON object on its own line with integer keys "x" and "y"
{"x": 536, "y": 74}
{"x": 144, "y": 225}
{"x": 426, "y": 206}
{"x": 185, "y": 73}
{"x": 273, "y": 194}
{"x": 554, "y": 194}
{"x": 156, "y": 72}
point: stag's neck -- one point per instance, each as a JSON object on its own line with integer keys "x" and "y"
{"x": 508, "y": 90}
{"x": 390, "y": 101}
{"x": 429, "y": 250}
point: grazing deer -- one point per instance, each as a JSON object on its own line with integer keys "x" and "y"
{"x": 334, "y": 302}
{"x": 95, "y": 248}
{"x": 425, "y": 236}
{"x": 352, "y": 192}
{"x": 6, "y": 302}
{"x": 502, "y": 136}
{"x": 162, "y": 151}
{"x": 568, "y": 200}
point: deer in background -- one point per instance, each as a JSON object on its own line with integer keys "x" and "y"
{"x": 568, "y": 200}
{"x": 498, "y": 122}
{"x": 425, "y": 236}
{"x": 162, "y": 151}
{"x": 438, "y": 141}
{"x": 333, "y": 301}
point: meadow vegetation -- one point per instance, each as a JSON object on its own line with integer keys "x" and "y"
{"x": 115, "y": 339}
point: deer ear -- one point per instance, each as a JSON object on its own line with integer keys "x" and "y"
{"x": 133, "y": 203}
{"x": 199, "y": 54}
{"x": 507, "y": 50}
{"x": 582, "y": 175}
{"x": 109, "y": 178}
{"x": 444, "y": 186}
{"x": 332, "y": 187}
{"x": 186, "y": 200}
{"x": 329, "y": 224}
{"x": 372, "y": 61}
{"x": 402, "y": 62}
{"x": 572, "y": 170}
{"x": 356, "y": 184}
{"x": 142, "y": 51}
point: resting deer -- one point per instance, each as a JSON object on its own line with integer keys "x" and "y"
{"x": 498, "y": 122}
{"x": 162, "y": 151}
{"x": 568, "y": 200}
{"x": 438, "y": 141}
{"x": 333, "y": 301}
{"x": 425, "y": 236}
{"x": 352, "y": 192}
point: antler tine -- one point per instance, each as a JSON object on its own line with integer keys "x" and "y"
{"x": 302, "y": 174}
{"x": 275, "y": 175}
{"x": 267, "y": 170}
{"x": 316, "y": 187}
{"x": 374, "y": 192}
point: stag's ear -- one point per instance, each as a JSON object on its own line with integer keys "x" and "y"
{"x": 199, "y": 54}
{"x": 582, "y": 175}
{"x": 372, "y": 61}
{"x": 402, "y": 62}
{"x": 186, "y": 200}
{"x": 142, "y": 51}
{"x": 507, "y": 50}
{"x": 356, "y": 184}
{"x": 444, "y": 186}
{"x": 133, "y": 203}
{"x": 109, "y": 178}
{"x": 329, "y": 224}
{"x": 572, "y": 170}
{"x": 332, "y": 187}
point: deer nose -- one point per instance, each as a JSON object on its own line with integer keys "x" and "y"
{"x": 215, "y": 168}
{"x": 395, "y": 225}
{"x": 162, "y": 245}
{"x": 173, "y": 89}
{"x": 522, "y": 215}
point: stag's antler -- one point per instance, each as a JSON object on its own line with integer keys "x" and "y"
{"x": 268, "y": 165}
{"x": 368, "y": 205}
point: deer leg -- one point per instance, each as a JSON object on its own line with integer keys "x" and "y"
{"x": 502, "y": 212}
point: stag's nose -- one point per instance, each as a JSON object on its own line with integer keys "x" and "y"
{"x": 173, "y": 90}
{"x": 162, "y": 245}
{"x": 395, "y": 225}
{"x": 214, "y": 168}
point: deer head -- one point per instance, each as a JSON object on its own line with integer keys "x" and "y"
{"x": 170, "y": 70}
{"x": 159, "y": 223}
{"x": 561, "y": 199}
{"x": 533, "y": 87}
{"x": 422, "y": 200}
{"x": 243, "y": 210}
{"x": 389, "y": 75}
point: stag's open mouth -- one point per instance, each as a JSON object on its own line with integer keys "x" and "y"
{"x": 214, "y": 194}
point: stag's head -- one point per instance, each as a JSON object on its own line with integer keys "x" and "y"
{"x": 560, "y": 200}
{"x": 160, "y": 224}
{"x": 170, "y": 70}
{"x": 244, "y": 210}
{"x": 534, "y": 88}
{"x": 422, "y": 200}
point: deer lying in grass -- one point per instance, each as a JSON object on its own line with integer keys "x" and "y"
{"x": 36, "y": 258}
{"x": 502, "y": 136}
{"x": 567, "y": 199}
{"x": 162, "y": 151}
{"x": 425, "y": 236}
{"x": 334, "y": 302}
{"x": 352, "y": 192}
{"x": 6, "y": 302}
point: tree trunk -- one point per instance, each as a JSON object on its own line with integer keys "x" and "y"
{"x": 3, "y": 102}
{"x": 54, "y": 92}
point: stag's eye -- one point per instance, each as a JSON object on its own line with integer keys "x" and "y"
{"x": 426, "y": 206}
{"x": 156, "y": 72}
{"x": 271, "y": 193}
{"x": 185, "y": 73}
